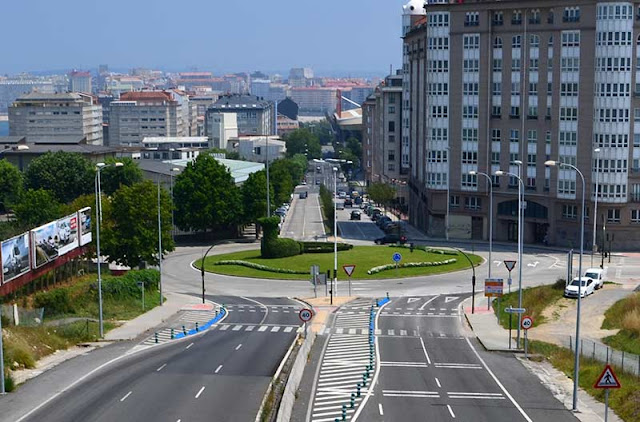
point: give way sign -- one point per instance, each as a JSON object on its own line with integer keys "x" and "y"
{"x": 349, "y": 269}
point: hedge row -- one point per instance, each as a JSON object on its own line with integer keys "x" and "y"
{"x": 259, "y": 266}
{"x": 323, "y": 247}
{"x": 386, "y": 267}
{"x": 428, "y": 249}
{"x": 280, "y": 248}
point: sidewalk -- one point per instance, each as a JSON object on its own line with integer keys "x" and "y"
{"x": 493, "y": 337}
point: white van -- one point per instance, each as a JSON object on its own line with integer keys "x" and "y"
{"x": 597, "y": 275}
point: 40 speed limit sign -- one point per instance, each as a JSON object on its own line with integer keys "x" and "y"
{"x": 527, "y": 322}
{"x": 305, "y": 314}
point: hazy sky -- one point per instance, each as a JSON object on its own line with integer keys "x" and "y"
{"x": 219, "y": 35}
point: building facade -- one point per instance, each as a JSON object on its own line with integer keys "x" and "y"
{"x": 80, "y": 82}
{"x": 64, "y": 116}
{"x": 220, "y": 128}
{"x": 508, "y": 85}
{"x": 254, "y": 116}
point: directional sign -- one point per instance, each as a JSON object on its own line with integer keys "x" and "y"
{"x": 510, "y": 265}
{"x": 527, "y": 322}
{"x": 396, "y": 257}
{"x": 493, "y": 287}
{"x": 306, "y": 314}
{"x": 413, "y": 299}
{"x": 515, "y": 310}
{"x": 607, "y": 379}
{"x": 349, "y": 269}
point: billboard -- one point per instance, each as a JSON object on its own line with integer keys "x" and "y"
{"x": 67, "y": 233}
{"x": 84, "y": 217}
{"x": 15, "y": 257}
{"x": 45, "y": 247}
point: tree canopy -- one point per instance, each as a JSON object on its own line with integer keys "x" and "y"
{"x": 254, "y": 196}
{"x": 66, "y": 175}
{"x": 37, "y": 207}
{"x": 303, "y": 141}
{"x": 381, "y": 193}
{"x": 111, "y": 177}
{"x": 10, "y": 185}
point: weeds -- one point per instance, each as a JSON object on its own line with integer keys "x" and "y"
{"x": 534, "y": 300}
{"x": 625, "y": 315}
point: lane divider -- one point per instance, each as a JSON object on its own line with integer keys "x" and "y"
{"x": 217, "y": 318}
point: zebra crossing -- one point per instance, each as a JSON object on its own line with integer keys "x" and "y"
{"x": 343, "y": 380}
{"x": 285, "y": 309}
{"x": 386, "y": 333}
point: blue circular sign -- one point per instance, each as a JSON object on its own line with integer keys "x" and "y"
{"x": 396, "y": 257}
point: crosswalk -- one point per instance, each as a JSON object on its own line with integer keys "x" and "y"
{"x": 344, "y": 364}
{"x": 284, "y": 309}
{"x": 391, "y": 332}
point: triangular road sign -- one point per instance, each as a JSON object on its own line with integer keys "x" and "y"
{"x": 349, "y": 269}
{"x": 509, "y": 265}
{"x": 607, "y": 379}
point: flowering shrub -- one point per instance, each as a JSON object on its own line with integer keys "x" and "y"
{"x": 258, "y": 266}
{"x": 380, "y": 268}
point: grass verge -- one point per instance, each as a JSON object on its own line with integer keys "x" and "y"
{"x": 625, "y": 401}
{"x": 363, "y": 257}
{"x": 625, "y": 315}
{"x": 534, "y": 299}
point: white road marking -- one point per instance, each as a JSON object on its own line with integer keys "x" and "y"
{"x": 506, "y": 393}
{"x": 237, "y": 328}
{"x": 125, "y": 396}
{"x": 424, "y": 349}
{"x": 238, "y": 346}
{"x": 380, "y": 409}
{"x": 275, "y": 329}
{"x": 200, "y": 392}
{"x": 160, "y": 369}
{"x": 218, "y": 369}
{"x": 263, "y": 328}
{"x": 451, "y": 411}
{"x": 189, "y": 346}
{"x": 427, "y": 302}
{"x": 438, "y": 382}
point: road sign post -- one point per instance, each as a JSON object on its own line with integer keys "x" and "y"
{"x": 396, "y": 258}
{"x": 141, "y": 285}
{"x": 305, "y": 316}
{"x": 349, "y": 270}
{"x": 493, "y": 287}
{"x": 315, "y": 271}
{"x": 526, "y": 323}
{"x": 607, "y": 380}
{"x": 510, "y": 266}
{"x": 510, "y": 310}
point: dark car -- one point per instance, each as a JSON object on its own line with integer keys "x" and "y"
{"x": 303, "y": 195}
{"x": 348, "y": 202}
{"x": 356, "y": 215}
{"x": 381, "y": 220}
{"x": 392, "y": 238}
{"x": 390, "y": 227}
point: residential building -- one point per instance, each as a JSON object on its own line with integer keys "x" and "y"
{"x": 315, "y": 101}
{"x": 254, "y": 116}
{"x": 12, "y": 88}
{"x": 508, "y": 85}
{"x": 80, "y": 82}
{"x": 258, "y": 148}
{"x": 220, "y": 128}
{"x": 300, "y": 77}
{"x": 175, "y": 142}
{"x": 63, "y": 116}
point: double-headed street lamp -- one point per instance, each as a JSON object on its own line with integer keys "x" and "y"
{"x": 479, "y": 173}
{"x": 99, "y": 168}
{"x": 576, "y": 364}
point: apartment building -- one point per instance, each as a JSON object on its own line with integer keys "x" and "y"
{"x": 508, "y": 85}
{"x": 51, "y": 117}
{"x": 315, "y": 101}
{"x": 254, "y": 116}
{"x": 80, "y": 82}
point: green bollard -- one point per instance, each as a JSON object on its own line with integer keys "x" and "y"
{"x": 172, "y": 335}
{"x": 344, "y": 412}
{"x": 358, "y": 390}
{"x": 197, "y": 329}
{"x": 156, "y": 336}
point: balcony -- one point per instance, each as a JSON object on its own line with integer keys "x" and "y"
{"x": 497, "y": 22}
{"x": 534, "y": 21}
{"x": 516, "y": 21}
{"x": 570, "y": 18}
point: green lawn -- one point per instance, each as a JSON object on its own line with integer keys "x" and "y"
{"x": 363, "y": 257}
{"x": 534, "y": 300}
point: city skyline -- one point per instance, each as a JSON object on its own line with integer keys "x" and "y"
{"x": 161, "y": 39}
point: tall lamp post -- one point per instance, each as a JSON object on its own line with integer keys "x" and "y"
{"x": 576, "y": 364}
{"x": 520, "y": 200}
{"x": 595, "y": 207}
{"x": 473, "y": 173}
{"x": 99, "y": 168}
{"x": 335, "y": 232}
{"x": 446, "y": 220}
{"x": 267, "y": 166}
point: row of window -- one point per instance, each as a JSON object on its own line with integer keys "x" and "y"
{"x": 570, "y": 14}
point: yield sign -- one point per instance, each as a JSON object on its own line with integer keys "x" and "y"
{"x": 509, "y": 265}
{"x": 450, "y": 299}
{"x": 607, "y": 379}
{"x": 349, "y": 269}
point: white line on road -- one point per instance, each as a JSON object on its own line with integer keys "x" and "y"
{"x": 125, "y": 396}
{"x": 425, "y": 351}
{"x": 451, "y": 411}
{"x": 380, "y": 409}
{"x": 438, "y": 382}
{"x": 238, "y": 346}
{"x": 506, "y": 393}
{"x": 160, "y": 369}
{"x": 218, "y": 369}
{"x": 200, "y": 392}
{"x": 189, "y": 346}
{"x": 427, "y": 302}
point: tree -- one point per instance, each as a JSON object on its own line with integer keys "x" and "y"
{"x": 206, "y": 196}
{"x": 254, "y": 196}
{"x": 111, "y": 178}
{"x": 67, "y": 175}
{"x": 131, "y": 236}
{"x": 37, "y": 207}
{"x": 322, "y": 130}
{"x": 284, "y": 175}
{"x": 382, "y": 193}
{"x": 10, "y": 185}
{"x": 303, "y": 141}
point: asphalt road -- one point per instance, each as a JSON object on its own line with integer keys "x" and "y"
{"x": 220, "y": 375}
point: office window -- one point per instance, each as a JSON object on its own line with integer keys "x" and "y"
{"x": 533, "y": 65}
{"x": 534, "y": 41}
{"x": 531, "y": 160}
{"x": 469, "y": 157}
{"x": 454, "y": 201}
{"x": 570, "y": 212}
{"x": 470, "y": 88}
{"x": 469, "y": 112}
{"x": 471, "y": 41}
{"x": 469, "y": 180}
{"x": 472, "y": 19}
{"x": 514, "y": 136}
{"x": 532, "y": 136}
{"x": 496, "y": 111}
{"x": 497, "y": 18}
{"x": 495, "y": 135}
{"x": 391, "y": 155}
{"x": 496, "y": 88}
{"x": 571, "y": 38}
{"x": 516, "y": 17}
{"x": 473, "y": 203}
{"x": 533, "y": 88}
{"x": 514, "y": 111}
{"x": 635, "y": 216}
{"x": 515, "y": 88}
{"x": 392, "y": 126}
{"x": 469, "y": 135}
{"x": 613, "y": 216}
{"x": 471, "y": 65}
{"x": 495, "y": 157}
{"x": 571, "y": 14}
{"x": 515, "y": 65}
{"x": 567, "y": 187}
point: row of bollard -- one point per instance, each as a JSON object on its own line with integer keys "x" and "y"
{"x": 184, "y": 328}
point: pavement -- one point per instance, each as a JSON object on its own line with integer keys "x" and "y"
{"x": 495, "y": 338}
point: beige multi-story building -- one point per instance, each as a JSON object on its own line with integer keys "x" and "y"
{"x": 51, "y": 117}
{"x": 508, "y": 85}
{"x": 254, "y": 116}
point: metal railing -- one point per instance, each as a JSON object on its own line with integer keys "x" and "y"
{"x": 625, "y": 361}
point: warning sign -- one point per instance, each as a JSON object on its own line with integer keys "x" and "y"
{"x": 509, "y": 265}
{"x": 607, "y": 379}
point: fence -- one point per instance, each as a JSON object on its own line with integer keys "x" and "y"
{"x": 627, "y": 362}
{"x": 28, "y": 317}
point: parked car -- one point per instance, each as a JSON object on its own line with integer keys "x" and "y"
{"x": 597, "y": 275}
{"x": 303, "y": 195}
{"x": 391, "y": 226}
{"x": 586, "y": 289}
{"x": 356, "y": 215}
{"x": 374, "y": 213}
{"x": 392, "y": 238}
{"x": 381, "y": 220}
{"x": 358, "y": 201}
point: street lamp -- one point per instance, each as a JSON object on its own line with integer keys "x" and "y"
{"x": 446, "y": 220}
{"x": 266, "y": 148}
{"x": 99, "y": 167}
{"x": 520, "y": 200}
{"x": 473, "y": 281}
{"x": 595, "y": 207}
{"x": 173, "y": 169}
{"x": 474, "y": 173}
{"x": 335, "y": 232}
{"x": 576, "y": 364}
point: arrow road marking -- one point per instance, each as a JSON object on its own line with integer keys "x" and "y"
{"x": 427, "y": 302}
{"x": 533, "y": 265}
{"x": 497, "y": 263}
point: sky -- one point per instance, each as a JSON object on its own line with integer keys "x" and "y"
{"x": 330, "y": 36}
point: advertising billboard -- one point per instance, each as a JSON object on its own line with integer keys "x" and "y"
{"x": 15, "y": 257}
{"x": 44, "y": 243}
{"x": 67, "y": 233}
{"x": 84, "y": 216}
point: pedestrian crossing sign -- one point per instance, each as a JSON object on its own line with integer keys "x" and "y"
{"x": 607, "y": 379}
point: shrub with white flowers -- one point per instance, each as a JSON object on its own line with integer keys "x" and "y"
{"x": 258, "y": 266}
{"x": 386, "y": 267}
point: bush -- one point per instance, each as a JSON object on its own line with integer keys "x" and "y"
{"x": 9, "y": 385}
{"x": 127, "y": 285}
{"x": 280, "y": 248}
{"x": 54, "y": 302}
{"x": 323, "y": 247}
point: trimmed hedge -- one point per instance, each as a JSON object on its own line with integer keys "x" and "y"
{"x": 258, "y": 266}
{"x": 323, "y": 247}
{"x": 386, "y": 267}
{"x": 428, "y": 249}
{"x": 280, "y": 248}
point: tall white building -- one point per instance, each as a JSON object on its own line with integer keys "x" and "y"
{"x": 220, "y": 127}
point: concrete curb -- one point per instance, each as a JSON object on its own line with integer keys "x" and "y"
{"x": 295, "y": 376}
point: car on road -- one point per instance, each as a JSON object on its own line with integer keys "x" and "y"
{"x": 392, "y": 238}
{"x": 342, "y": 194}
{"x": 597, "y": 275}
{"x": 586, "y": 289}
{"x": 356, "y": 215}
{"x": 348, "y": 202}
{"x": 339, "y": 205}
{"x": 303, "y": 195}
{"x": 382, "y": 220}
{"x": 391, "y": 226}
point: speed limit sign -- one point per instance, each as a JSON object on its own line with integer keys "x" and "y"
{"x": 306, "y": 315}
{"x": 527, "y": 322}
